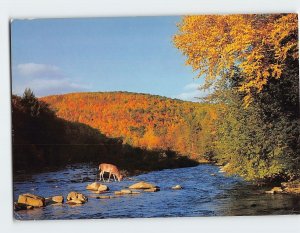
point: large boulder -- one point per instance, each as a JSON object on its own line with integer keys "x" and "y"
{"x": 76, "y": 198}
{"x": 142, "y": 185}
{"x": 97, "y": 187}
{"x": 94, "y": 186}
{"x": 31, "y": 200}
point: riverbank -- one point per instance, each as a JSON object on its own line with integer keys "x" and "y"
{"x": 292, "y": 187}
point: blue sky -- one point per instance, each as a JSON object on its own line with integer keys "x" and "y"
{"x": 136, "y": 54}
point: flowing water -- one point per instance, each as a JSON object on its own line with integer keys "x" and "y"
{"x": 206, "y": 192}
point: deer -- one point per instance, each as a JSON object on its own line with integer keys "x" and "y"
{"x": 111, "y": 169}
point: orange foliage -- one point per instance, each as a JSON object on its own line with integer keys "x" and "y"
{"x": 258, "y": 44}
{"x": 141, "y": 120}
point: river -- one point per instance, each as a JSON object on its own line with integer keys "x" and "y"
{"x": 206, "y": 192}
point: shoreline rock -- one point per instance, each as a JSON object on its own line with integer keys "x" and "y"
{"x": 275, "y": 190}
{"x": 292, "y": 187}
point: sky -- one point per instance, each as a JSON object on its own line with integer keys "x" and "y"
{"x": 135, "y": 54}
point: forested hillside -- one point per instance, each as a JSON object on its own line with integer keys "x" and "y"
{"x": 142, "y": 120}
{"x": 41, "y": 139}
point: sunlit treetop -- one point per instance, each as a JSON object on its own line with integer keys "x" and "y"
{"x": 259, "y": 45}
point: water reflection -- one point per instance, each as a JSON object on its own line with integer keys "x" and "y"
{"x": 245, "y": 199}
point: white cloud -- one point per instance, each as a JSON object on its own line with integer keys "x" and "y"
{"x": 192, "y": 92}
{"x": 42, "y": 87}
{"x": 191, "y": 86}
{"x": 45, "y": 79}
{"x": 34, "y": 70}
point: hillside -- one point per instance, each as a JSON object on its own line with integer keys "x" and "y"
{"x": 41, "y": 140}
{"x": 142, "y": 120}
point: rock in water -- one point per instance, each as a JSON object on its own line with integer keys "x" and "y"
{"x": 142, "y": 185}
{"x": 102, "y": 188}
{"x": 155, "y": 189}
{"x": 94, "y": 186}
{"x": 97, "y": 187}
{"x": 177, "y": 187}
{"x": 19, "y": 206}
{"x": 126, "y": 191}
{"x": 103, "y": 197}
{"x": 58, "y": 199}
{"x": 118, "y": 193}
{"x": 135, "y": 192}
{"x": 76, "y": 198}
{"x": 74, "y": 202}
{"x": 31, "y": 200}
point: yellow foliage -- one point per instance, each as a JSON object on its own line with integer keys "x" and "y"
{"x": 258, "y": 44}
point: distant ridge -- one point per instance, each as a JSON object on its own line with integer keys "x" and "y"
{"x": 142, "y": 120}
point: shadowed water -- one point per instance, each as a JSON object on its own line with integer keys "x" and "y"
{"x": 206, "y": 192}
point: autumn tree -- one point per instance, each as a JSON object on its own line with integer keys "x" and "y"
{"x": 251, "y": 63}
{"x": 259, "y": 45}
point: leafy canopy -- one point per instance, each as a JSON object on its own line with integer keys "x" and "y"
{"x": 257, "y": 44}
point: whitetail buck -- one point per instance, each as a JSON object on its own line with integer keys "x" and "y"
{"x": 111, "y": 169}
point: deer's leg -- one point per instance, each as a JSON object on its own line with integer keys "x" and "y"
{"x": 102, "y": 176}
{"x": 102, "y": 173}
{"x": 109, "y": 176}
{"x": 114, "y": 177}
